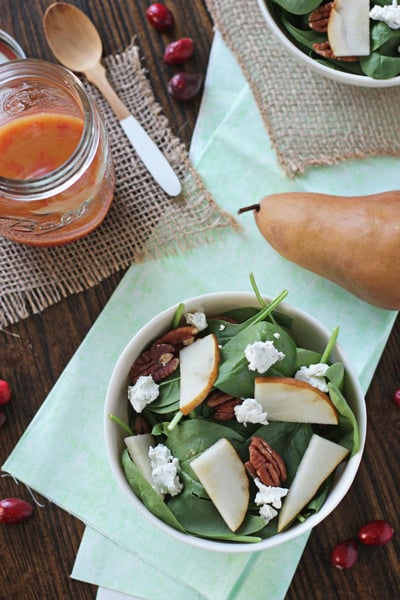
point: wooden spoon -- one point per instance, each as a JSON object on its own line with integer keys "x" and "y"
{"x": 76, "y": 44}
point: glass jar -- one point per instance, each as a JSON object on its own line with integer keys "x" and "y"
{"x": 56, "y": 173}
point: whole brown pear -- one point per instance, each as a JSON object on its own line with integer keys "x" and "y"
{"x": 352, "y": 241}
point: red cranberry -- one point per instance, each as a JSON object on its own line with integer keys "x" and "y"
{"x": 5, "y": 392}
{"x": 376, "y": 533}
{"x": 177, "y": 52}
{"x": 160, "y": 17}
{"x": 3, "y": 418}
{"x": 396, "y": 397}
{"x": 345, "y": 554}
{"x": 184, "y": 86}
{"x": 14, "y": 510}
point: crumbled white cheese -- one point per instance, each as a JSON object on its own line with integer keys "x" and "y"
{"x": 143, "y": 392}
{"x": 314, "y": 375}
{"x": 262, "y": 355}
{"x": 250, "y": 411}
{"x": 269, "y": 498}
{"x": 267, "y": 513}
{"x": 222, "y": 327}
{"x": 197, "y": 319}
{"x": 389, "y": 14}
{"x": 276, "y": 335}
{"x": 164, "y": 470}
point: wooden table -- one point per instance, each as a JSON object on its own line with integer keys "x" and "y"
{"x": 37, "y": 556}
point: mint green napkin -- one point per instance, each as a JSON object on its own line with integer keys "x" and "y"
{"x": 62, "y": 454}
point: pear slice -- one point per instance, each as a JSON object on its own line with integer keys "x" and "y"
{"x": 199, "y": 370}
{"x": 138, "y": 448}
{"x": 292, "y": 400}
{"x": 224, "y": 477}
{"x": 319, "y": 460}
{"x": 348, "y": 28}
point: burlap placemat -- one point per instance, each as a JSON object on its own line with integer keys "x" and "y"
{"x": 310, "y": 119}
{"x": 143, "y": 222}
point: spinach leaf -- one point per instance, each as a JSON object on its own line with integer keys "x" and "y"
{"x": 192, "y": 436}
{"x": 305, "y": 358}
{"x": 335, "y": 374}
{"x": 379, "y": 66}
{"x": 146, "y": 493}
{"x": 346, "y": 432}
{"x": 298, "y": 7}
{"x": 168, "y": 400}
{"x": 200, "y": 517}
{"x": 381, "y": 35}
{"x": 234, "y": 376}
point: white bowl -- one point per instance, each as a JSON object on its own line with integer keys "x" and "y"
{"x": 266, "y": 7}
{"x": 308, "y": 333}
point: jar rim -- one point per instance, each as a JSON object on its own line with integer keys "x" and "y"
{"x": 55, "y": 181}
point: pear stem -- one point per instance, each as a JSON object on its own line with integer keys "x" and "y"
{"x": 255, "y": 207}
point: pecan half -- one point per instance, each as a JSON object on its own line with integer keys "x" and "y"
{"x": 318, "y": 18}
{"x": 265, "y": 463}
{"x": 324, "y": 49}
{"x": 159, "y": 362}
{"x": 179, "y": 337}
{"x": 141, "y": 425}
{"x": 224, "y": 405}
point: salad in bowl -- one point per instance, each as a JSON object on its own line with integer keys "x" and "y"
{"x": 352, "y": 41}
{"x": 234, "y": 421}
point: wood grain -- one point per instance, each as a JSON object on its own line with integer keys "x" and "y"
{"x": 37, "y": 556}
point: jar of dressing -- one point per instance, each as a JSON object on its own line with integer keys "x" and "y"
{"x": 56, "y": 173}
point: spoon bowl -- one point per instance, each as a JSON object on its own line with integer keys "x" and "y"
{"x": 72, "y": 37}
{"x": 77, "y": 45}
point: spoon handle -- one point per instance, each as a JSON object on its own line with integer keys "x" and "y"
{"x": 151, "y": 156}
{"x": 147, "y": 150}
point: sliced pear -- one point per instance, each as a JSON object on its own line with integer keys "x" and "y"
{"x": 292, "y": 400}
{"x": 225, "y": 480}
{"x": 319, "y": 460}
{"x": 348, "y": 28}
{"x": 138, "y": 448}
{"x": 199, "y": 370}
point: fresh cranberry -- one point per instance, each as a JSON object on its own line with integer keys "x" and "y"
{"x": 3, "y": 418}
{"x": 396, "y": 397}
{"x": 5, "y": 392}
{"x": 345, "y": 554}
{"x": 177, "y": 52}
{"x": 14, "y": 510}
{"x": 160, "y": 17}
{"x": 184, "y": 86}
{"x": 376, "y": 533}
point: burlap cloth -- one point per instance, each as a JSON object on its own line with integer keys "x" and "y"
{"x": 143, "y": 222}
{"x": 310, "y": 119}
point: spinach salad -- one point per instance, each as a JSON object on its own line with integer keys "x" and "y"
{"x": 191, "y": 511}
{"x": 383, "y": 61}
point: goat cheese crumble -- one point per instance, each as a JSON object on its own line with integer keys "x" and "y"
{"x": 262, "y": 355}
{"x": 143, "y": 392}
{"x": 250, "y": 411}
{"x": 314, "y": 375}
{"x": 269, "y": 498}
{"x": 164, "y": 470}
{"x": 389, "y": 14}
{"x": 197, "y": 319}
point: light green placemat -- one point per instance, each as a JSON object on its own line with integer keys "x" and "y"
{"x": 62, "y": 454}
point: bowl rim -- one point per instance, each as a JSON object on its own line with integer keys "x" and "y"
{"x": 338, "y": 76}
{"x": 345, "y": 472}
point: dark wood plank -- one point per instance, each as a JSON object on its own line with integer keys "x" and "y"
{"x": 37, "y": 556}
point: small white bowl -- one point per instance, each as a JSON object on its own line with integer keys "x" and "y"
{"x": 267, "y": 10}
{"x": 308, "y": 333}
